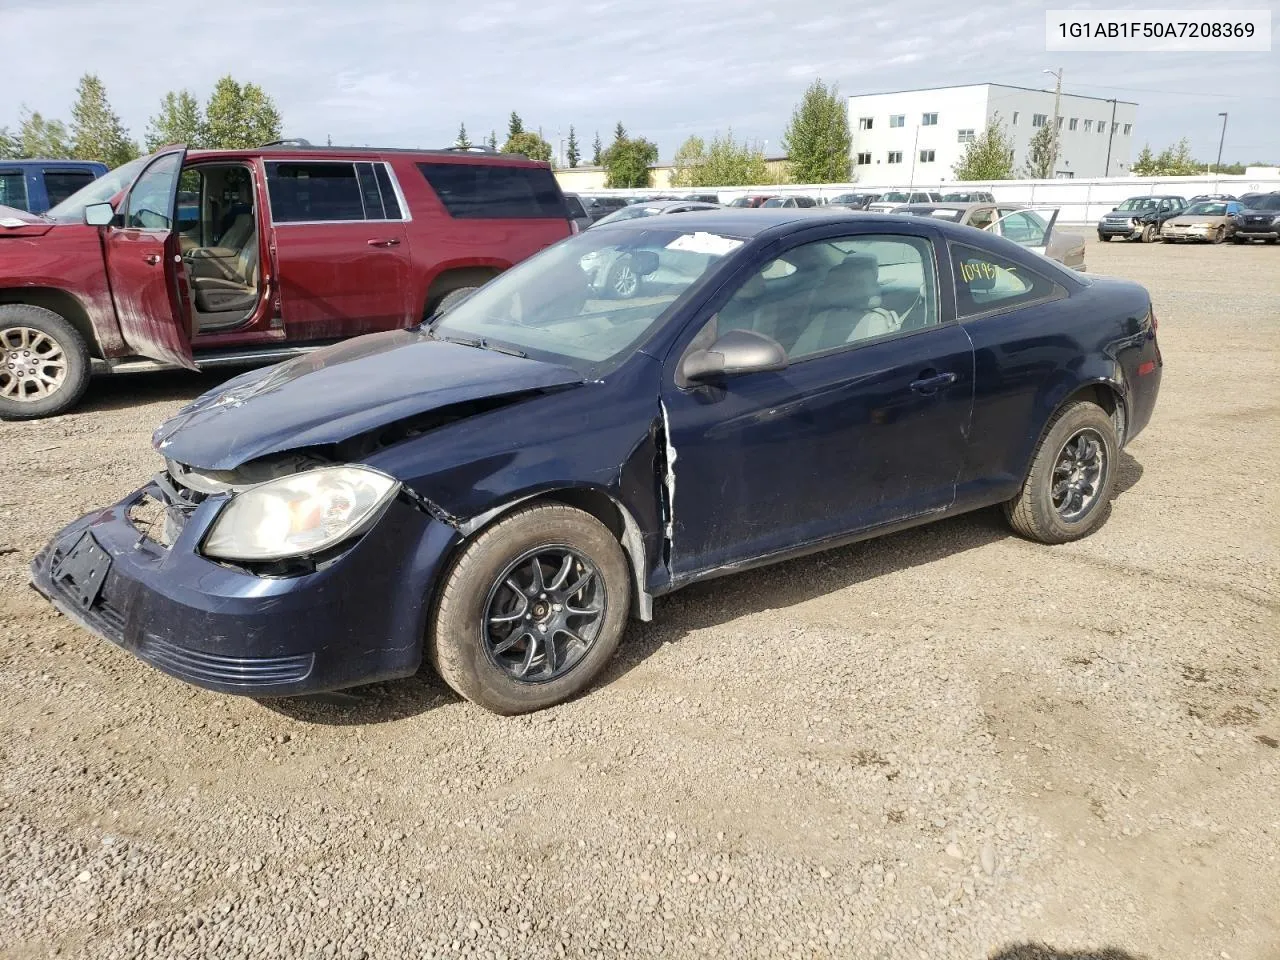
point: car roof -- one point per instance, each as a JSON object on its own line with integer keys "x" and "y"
{"x": 739, "y": 222}
{"x": 304, "y": 154}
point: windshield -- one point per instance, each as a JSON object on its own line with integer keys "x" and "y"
{"x": 1206, "y": 210}
{"x": 894, "y": 198}
{"x": 629, "y": 213}
{"x": 1270, "y": 202}
{"x": 1136, "y": 204}
{"x": 99, "y": 191}
{"x": 588, "y": 301}
{"x": 774, "y": 202}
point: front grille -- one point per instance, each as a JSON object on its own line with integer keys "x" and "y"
{"x": 204, "y": 667}
{"x": 163, "y": 509}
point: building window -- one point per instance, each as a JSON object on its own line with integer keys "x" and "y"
{"x": 926, "y": 156}
{"x": 1039, "y": 119}
{"x": 1115, "y": 128}
{"x": 864, "y": 123}
{"x": 1060, "y": 119}
{"x": 863, "y": 159}
{"x": 1015, "y": 118}
{"x": 898, "y": 120}
{"x": 929, "y": 120}
{"x": 1088, "y": 126}
{"x": 1102, "y": 126}
{"x": 964, "y": 136}
{"x": 1075, "y": 121}
{"x": 895, "y": 156}
{"x": 1128, "y": 127}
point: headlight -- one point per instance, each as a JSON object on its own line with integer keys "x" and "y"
{"x": 300, "y": 514}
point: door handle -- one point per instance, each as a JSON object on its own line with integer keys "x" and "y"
{"x": 381, "y": 242}
{"x": 931, "y": 382}
{"x": 152, "y": 258}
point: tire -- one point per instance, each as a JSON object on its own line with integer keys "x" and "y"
{"x": 622, "y": 281}
{"x": 1033, "y": 513}
{"x": 1240, "y": 240}
{"x": 453, "y": 298}
{"x": 478, "y": 610}
{"x": 1220, "y": 234}
{"x": 1103, "y": 238}
{"x": 32, "y": 390}
{"x": 1149, "y": 233}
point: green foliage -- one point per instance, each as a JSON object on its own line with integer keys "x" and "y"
{"x": 240, "y": 116}
{"x": 724, "y": 163}
{"x": 96, "y": 131}
{"x": 179, "y": 121}
{"x": 515, "y": 125}
{"x": 619, "y": 132}
{"x": 596, "y": 151}
{"x": 38, "y": 137}
{"x": 528, "y": 144}
{"x": 1042, "y": 154}
{"x": 10, "y": 146}
{"x": 571, "y": 151}
{"x": 493, "y": 139}
{"x": 1172, "y": 161}
{"x": 817, "y": 139}
{"x": 989, "y": 156}
{"x": 463, "y": 142}
{"x": 627, "y": 161}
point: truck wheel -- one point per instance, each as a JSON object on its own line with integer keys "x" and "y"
{"x": 44, "y": 363}
{"x": 1067, "y": 492}
{"x": 532, "y": 610}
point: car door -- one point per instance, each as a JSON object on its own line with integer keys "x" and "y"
{"x": 340, "y": 247}
{"x": 865, "y": 426}
{"x": 143, "y": 257}
{"x": 1028, "y": 227}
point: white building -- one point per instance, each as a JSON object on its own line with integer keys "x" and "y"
{"x": 917, "y": 136}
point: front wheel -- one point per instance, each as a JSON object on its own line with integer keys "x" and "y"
{"x": 623, "y": 282}
{"x": 1067, "y": 492}
{"x": 1220, "y": 234}
{"x": 1149, "y": 233}
{"x": 44, "y": 363}
{"x": 532, "y": 610}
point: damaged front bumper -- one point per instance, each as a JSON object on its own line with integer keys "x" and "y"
{"x": 357, "y": 618}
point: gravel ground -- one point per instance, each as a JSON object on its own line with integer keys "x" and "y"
{"x": 945, "y": 743}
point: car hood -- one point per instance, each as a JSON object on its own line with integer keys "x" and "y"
{"x": 1188, "y": 221}
{"x": 342, "y": 391}
{"x": 20, "y": 223}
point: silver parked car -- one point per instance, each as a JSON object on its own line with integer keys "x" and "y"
{"x": 1031, "y": 227}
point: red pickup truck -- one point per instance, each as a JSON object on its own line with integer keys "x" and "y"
{"x": 231, "y": 257}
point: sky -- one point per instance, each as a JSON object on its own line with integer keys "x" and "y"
{"x": 395, "y": 73}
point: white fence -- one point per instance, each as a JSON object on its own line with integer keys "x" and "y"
{"x": 1081, "y": 201}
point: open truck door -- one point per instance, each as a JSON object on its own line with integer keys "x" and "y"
{"x": 144, "y": 264}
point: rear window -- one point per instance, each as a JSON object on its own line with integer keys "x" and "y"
{"x": 60, "y": 184}
{"x": 13, "y": 189}
{"x": 331, "y": 191}
{"x": 487, "y": 191}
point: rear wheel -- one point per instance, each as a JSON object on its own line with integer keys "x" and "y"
{"x": 44, "y": 363}
{"x": 532, "y": 610}
{"x": 1067, "y": 492}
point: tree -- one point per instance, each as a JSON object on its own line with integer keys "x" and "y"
{"x": 463, "y": 142}
{"x": 817, "y": 139}
{"x": 596, "y": 154}
{"x": 989, "y": 156}
{"x": 627, "y": 161}
{"x": 1145, "y": 164}
{"x": 571, "y": 151}
{"x": 179, "y": 121}
{"x": 724, "y": 163}
{"x": 10, "y": 146}
{"x": 493, "y": 139}
{"x": 619, "y": 133}
{"x": 1172, "y": 161}
{"x": 530, "y": 145}
{"x": 38, "y": 137}
{"x": 238, "y": 117}
{"x": 515, "y": 125}
{"x": 96, "y": 132}
{"x": 1042, "y": 154}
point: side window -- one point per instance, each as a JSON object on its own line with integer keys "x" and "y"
{"x": 490, "y": 191}
{"x": 310, "y": 192}
{"x": 1024, "y": 227}
{"x": 986, "y": 282}
{"x": 60, "y": 184}
{"x": 390, "y": 202}
{"x": 150, "y": 204}
{"x": 13, "y": 189}
{"x": 982, "y": 218}
{"x": 832, "y": 294}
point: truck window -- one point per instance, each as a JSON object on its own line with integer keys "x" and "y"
{"x": 489, "y": 191}
{"x": 13, "y": 189}
{"x": 314, "y": 192}
{"x": 60, "y": 184}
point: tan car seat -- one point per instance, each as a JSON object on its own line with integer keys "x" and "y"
{"x": 846, "y": 307}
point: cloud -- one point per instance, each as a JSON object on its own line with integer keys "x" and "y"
{"x": 404, "y": 73}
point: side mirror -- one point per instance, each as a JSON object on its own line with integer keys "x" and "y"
{"x": 735, "y": 353}
{"x": 643, "y": 262}
{"x": 99, "y": 214}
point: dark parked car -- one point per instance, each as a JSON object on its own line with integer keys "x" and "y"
{"x": 600, "y": 207}
{"x": 969, "y": 196}
{"x": 1140, "y": 218}
{"x": 37, "y": 185}
{"x": 1259, "y": 220}
{"x": 237, "y": 257}
{"x": 496, "y": 492}
{"x": 578, "y": 216}
{"x": 789, "y": 202}
{"x": 751, "y": 201}
{"x": 853, "y": 201}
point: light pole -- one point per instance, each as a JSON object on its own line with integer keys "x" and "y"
{"x": 1221, "y": 140}
{"x": 1111, "y": 135}
{"x": 915, "y": 144}
{"x": 1057, "y": 112}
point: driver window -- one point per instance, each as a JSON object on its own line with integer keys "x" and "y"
{"x": 151, "y": 200}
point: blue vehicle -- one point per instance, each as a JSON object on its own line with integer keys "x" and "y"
{"x": 37, "y": 185}
{"x": 496, "y": 491}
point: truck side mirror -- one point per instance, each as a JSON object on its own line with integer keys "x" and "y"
{"x": 99, "y": 214}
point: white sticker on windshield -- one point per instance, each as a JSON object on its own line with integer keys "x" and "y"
{"x": 708, "y": 243}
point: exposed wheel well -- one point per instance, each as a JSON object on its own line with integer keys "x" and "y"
{"x": 451, "y": 280}
{"x": 61, "y": 303}
{"x": 1108, "y": 398}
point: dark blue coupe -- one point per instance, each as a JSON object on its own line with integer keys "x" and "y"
{"x": 639, "y": 407}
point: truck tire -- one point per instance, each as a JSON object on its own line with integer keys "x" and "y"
{"x": 44, "y": 363}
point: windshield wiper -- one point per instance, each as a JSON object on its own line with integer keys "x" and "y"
{"x": 481, "y": 343}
